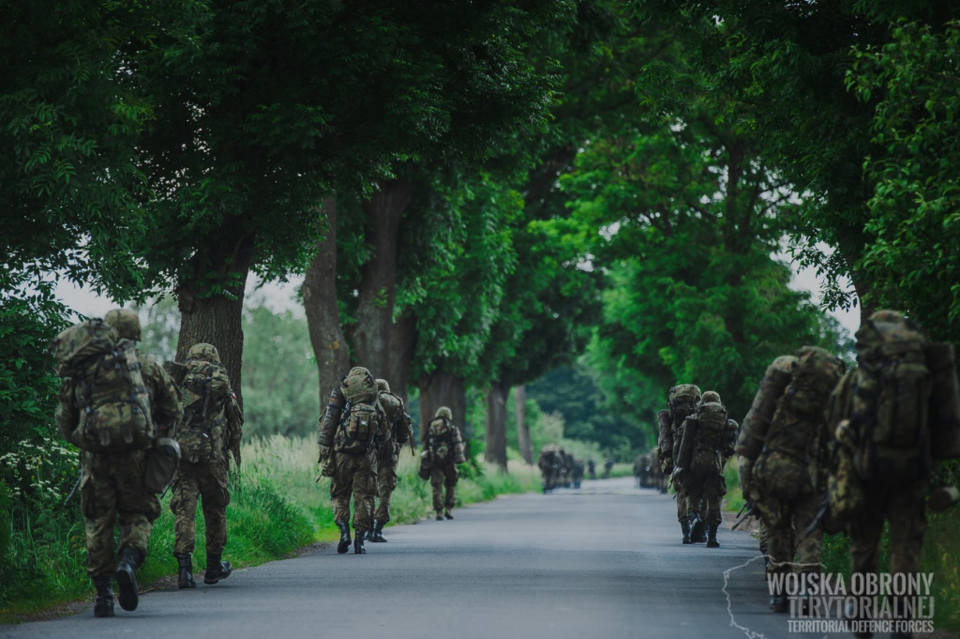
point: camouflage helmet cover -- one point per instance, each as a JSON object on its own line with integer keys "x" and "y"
{"x": 383, "y": 386}
{"x": 444, "y": 412}
{"x": 125, "y": 321}
{"x": 204, "y": 352}
{"x": 710, "y": 396}
{"x": 888, "y": 316}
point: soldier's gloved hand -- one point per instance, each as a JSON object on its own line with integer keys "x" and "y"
{"x": 324, "y": 454}
{"x": 667, "y": 465}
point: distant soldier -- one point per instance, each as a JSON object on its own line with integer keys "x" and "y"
{"x": 388, "y": 454}
{"x": 576, "y": 473}
{"x": 212, "y": 427}
{"x": 894, "y": 417}
{"x": 788, "y": 477}
{"x": 351, "y": 427}
{"x": 607, "y": 467}
{"x": 444, "y": 446}
{"x": 591, "y": 468}
{"x": 549, "y": 463}
{"x": 705, "y": 446}
{"x": 104, "y": 378}
{"x": 681, "y": 402}
{"x": 639, "y": 469}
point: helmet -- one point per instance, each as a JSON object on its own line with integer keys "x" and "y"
{"x": 444, "y": 412}
{"x": 890, "y": 317}
{"x": 710, "y": 396}
{"x": 125, "y": 321}
{"x": 383, "y": 386}
{"x": 205, "y": 352}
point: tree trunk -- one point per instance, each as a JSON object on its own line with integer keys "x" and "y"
{"x": 496, "y": 445}
{"x": 443, "y": 389}
{"x": 320, "y": 303}
{"x": 371, "y": 336}
{"x": 523, "y": 429}
{"x": 216, "y": 319}
{"x": 403, "y": 345}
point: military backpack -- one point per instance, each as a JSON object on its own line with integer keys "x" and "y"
{"x": 360, "y": 418}
{"x": 790, "y": 462}
{"x": 205, "y": 391}
{"x": 443, "y": 442}
{"x": 109, "y": 388}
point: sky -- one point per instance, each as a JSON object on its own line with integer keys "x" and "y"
{"x": 282, "y": 296}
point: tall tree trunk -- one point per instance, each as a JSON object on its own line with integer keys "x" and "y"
{"x": 443, "y": 389}
{"x": 403, "y": 345}
{"x": 217, "y": 319}
{"x": 523, "y": 429}
{"x": 371, "y": 336}
{"x": 496, "y": 446}
{"x": 320, "y": 303}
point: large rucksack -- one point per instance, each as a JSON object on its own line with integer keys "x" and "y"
{"x": 443, "y": 442}
{"x": 205, "y": 391}
{"x": 775, "y": 380}
{"x": 109, "y": 385}
{"x": 359, "y": 420}
{"x": 399, "y": 420}
{"x": 711, "y": 424}
{"x": 682, "y": 401}
{"x": 891, "y": 401}
{"x": 789, "y": 463}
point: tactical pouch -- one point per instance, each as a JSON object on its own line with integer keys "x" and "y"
{"x": 160, "y": 464}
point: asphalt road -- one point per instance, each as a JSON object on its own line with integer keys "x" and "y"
{"x": 604, "y": 561}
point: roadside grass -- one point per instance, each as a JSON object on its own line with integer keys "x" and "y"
{"x": 276, "y": 506}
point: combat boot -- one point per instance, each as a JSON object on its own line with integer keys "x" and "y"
{"x": 127, "y": 578}
{"x": 344, "y": 544}
{"x": 439, "y": 515}
{"x": 358, "y": 548}
{"x": 685, "y": 527}
{"x": 697, "y": 534}
{"x": 216, "y": 569}
{"x": 447, "y": 514}
{"x": 104, "y": 603}
{"x": 185, "y": 571}
{"x": 779, "y": 602}
{"x": 712, "y": 536}
{"x": 372, "y": 533}
{"x": 376, "y": 533}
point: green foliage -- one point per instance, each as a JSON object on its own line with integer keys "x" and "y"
{"x": 914, "y": 223}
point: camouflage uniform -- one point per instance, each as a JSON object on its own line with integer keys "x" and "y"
{"x": 704, "y": 448}
{"x": 790, "y": 472}
{"x": 447, "y": 451}
{"x": 388, "y": 454}
{"x": 670, "y": 421}
{"x": 549, "y": 463}
{"x": 202, "y": 476}
{"x": 591, "y": 469}
{"x": 111, "y": 484}
{"x": 352, "y": 474}
{"x": 576, "y": 472}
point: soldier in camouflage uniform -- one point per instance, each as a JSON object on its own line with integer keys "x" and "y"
{"x": 388, "y": 454}
{"x": 351, "y": 464}
{"x": 708, "y": 441}
{"x": 445, "y": 444}
{"x": 788, "y": 477}
{"x": 111, "y": 484}
{"x": 212, "y": 427}
{"x": 681, "y": 402}
{"x": 549, "y": 463}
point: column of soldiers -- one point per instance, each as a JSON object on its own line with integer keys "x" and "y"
{"x": 647, "y": 472}
{"x": 559, "y": 469}
{"x": 824, "y": 450}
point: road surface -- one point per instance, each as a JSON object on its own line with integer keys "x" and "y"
{"x": 603, "y": 561}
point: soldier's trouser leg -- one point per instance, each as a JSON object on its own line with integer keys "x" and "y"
{"x": 808, "y": 549}
{"x": 386, "y": 484}
{"x": 780, "y": 542}
{"x": 436, "y": 482}
{"x": 206, "y": 483}
{"x": 341, "y": 488}
{"x": 681, "y": 503}
{"x": 694, "y": 491}
{"x": 713, "y": 492}
{"x": 110, "y": 486}
{"x": 903, "y": 507}
{"x": 450, "y": 481}
{"x": 355, "y": 475}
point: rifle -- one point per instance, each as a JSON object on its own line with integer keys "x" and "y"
{"x": 751, "y": 510}
{"x": 821, "y": 513}
{"x": 75, "y": 486}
